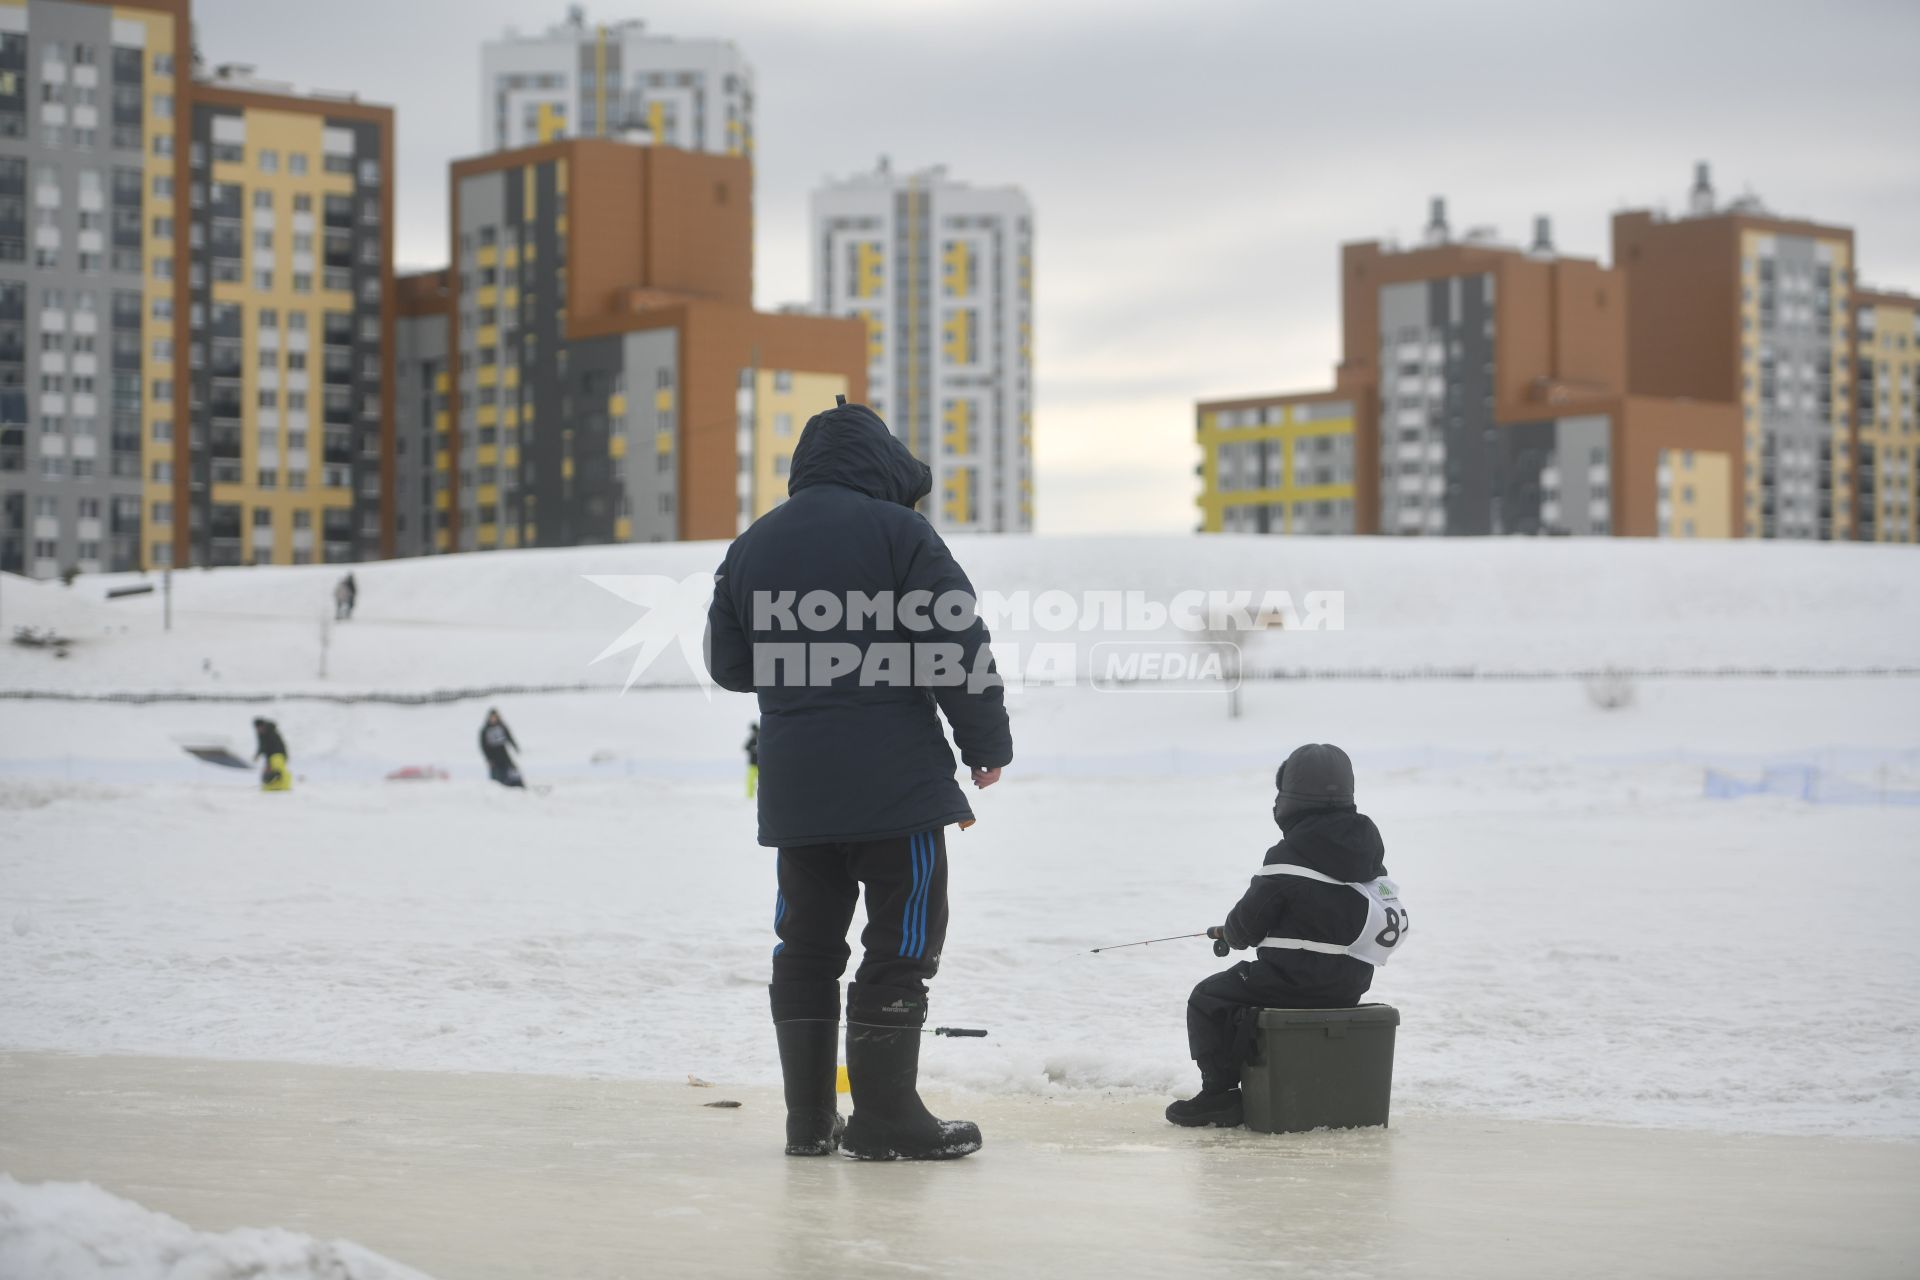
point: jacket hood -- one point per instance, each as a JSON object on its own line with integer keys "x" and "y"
{"x": 1337, "y": 842}
{"x": 848, "y": 445}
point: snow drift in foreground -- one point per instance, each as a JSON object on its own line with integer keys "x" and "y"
{"x": 76, "y": 1231}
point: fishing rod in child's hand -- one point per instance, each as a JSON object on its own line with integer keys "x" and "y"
{"x": 1217, "y": 933}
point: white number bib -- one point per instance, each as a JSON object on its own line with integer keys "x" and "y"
{"x": 1388, "y": 922}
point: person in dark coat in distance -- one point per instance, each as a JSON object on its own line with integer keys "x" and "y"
{"x": 495, "y": 741}
{"x": 271, "y": 749}
{"x": 1321, "y": 913}
{"x": 859, "y": 785}
{"x": 752, "y": 748}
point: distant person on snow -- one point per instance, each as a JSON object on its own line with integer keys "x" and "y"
{"x": 345, "y": 594}
{"x": 270, "y": 747}
{"x": 753, "y": 759}
{"x": 860, "y": 782}
{"x": 495, "y": 740}
{"x": 1320, "y": 912}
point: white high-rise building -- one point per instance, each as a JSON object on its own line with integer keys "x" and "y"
{"x": 587, "y": 80}
{"x": 942, "y": 273}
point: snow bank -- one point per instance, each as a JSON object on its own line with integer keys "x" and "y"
{"x": 76, "y": 1231}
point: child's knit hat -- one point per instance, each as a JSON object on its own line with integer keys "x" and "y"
{"x": 1316, "y": 776}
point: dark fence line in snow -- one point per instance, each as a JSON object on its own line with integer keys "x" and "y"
{"x": 1575, "y": 673}
{"x": 429, "y": 697}
{"x": 435, "y": 697}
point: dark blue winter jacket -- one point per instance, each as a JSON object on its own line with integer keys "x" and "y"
{"x": 849, "y": 758}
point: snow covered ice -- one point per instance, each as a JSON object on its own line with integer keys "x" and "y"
{"x": 1599, "y": 942}
{"x": 74, "y": 1231}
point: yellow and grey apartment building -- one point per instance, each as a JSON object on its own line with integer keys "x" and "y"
{"x": 193, "y": 303}
{"x": 1726, "y": 376}
{"x": 580, "y": 79}
{"x": 290, "y": 306}
{"x": 940, "y": 273}
{"x": 1886, "y": 359}
{"x": 589, "y": 368}
{"x": 1278, "y": 464}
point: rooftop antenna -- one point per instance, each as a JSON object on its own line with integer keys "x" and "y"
{"x": 1437, "y": 220}
{"x": 1700, "y": 199}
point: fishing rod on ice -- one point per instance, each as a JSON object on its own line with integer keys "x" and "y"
{"x": 1217, "y": 933}
{"x": 963, "y": 1032}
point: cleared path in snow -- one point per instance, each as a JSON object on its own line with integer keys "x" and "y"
{"x": 484, "y": 1175}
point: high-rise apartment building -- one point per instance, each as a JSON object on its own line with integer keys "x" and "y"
{"x": 941, "y": 274}
{"x": 423, "y": 427}
{"x": 1734, "y": 305}
{"x": 290, "y": 305}
{"x": 1886, "y": 381}
{"x": 590, "y": 367}
{"x": 582, "y": 80}
{"x": 92, "y": 282}
{"x": 193, "y": 276}
{"x": 1495, "y": 385}
{"x": 1482, "y": 391}
{"x": 1726, "y": 377}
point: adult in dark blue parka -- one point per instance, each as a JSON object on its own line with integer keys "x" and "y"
{"x": 857, "y": 782}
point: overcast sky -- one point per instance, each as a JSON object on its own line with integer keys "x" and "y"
{"x": 1194, "y": 167}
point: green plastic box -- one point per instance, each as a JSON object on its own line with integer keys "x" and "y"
{"x": 1320, "y": 1069}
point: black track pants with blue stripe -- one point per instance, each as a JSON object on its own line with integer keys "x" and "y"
{"x": 905, "y": 879}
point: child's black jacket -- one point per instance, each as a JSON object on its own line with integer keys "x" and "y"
{"x": 1341, "y": 843}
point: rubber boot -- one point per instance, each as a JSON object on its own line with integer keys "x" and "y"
{"x": 1217, "y": 1108}
{"x": 1217, "y": 1105}
{"x": 807, "y": 1026}
{"x": 883, "y": 1067}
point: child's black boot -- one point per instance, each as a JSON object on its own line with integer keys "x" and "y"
{"x": 1217, "y": 1105}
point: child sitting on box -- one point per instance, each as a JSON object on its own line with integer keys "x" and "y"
{"x": 1321, "y": 913}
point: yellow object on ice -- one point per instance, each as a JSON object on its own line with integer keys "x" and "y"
{"x": 276, "y": 777}
{"x": 840, "y": 1084}
{"x": 753, "y": 780}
